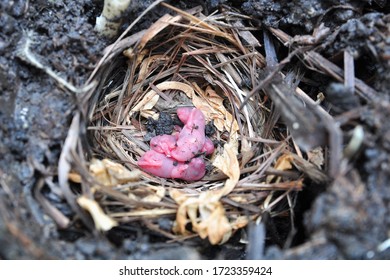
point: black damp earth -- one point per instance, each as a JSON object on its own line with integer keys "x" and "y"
{"x": 347, "y": 220}
{"x": 165, "y": 125}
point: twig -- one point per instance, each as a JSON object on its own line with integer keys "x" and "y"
{"x": 349, "y": 71}
{"x": 61, "y": 220}
{"x": 64, "y": 167}
{"x": 318, "y": 63}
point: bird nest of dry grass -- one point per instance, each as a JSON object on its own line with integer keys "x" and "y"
{"x": 185, "y": 59}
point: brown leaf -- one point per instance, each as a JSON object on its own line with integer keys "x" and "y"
{"x": 228, "y": 163}
{"x": 151, "y": 97}
{"x": 101, "y": 220}
{"x": 214, "y": 223}
{"x": 205, "y": 213}
{"x": 154, "y": 194}
{"x": 239, "y": 222}
{"x": 284, "y": 162}
{"x": 183, "y": 200}
{"x": 109, "y": 173}
{"x": 146, "y": 103}
{"x": 74, "y": 177}
{"x": 316, "y": 156}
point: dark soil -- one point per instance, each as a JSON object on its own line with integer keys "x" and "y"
{"x": 347, "y": 219}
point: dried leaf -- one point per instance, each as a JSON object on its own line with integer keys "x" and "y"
{"x": 155, "y": 194}
{"x": 139, "y": 56}
{"x": 109, "y": 173}
{"x": 243, "y": 199}
{"x": 239, "y": 222}
{"x": 146, "y": 103}
{"x": 228, "y": 163}
{"x": 99, "y": 172}
{"x": 316, "y": 156}
{"x": 214, "y": 219}
{"x": 74, "y": 177}
{"x": 151, "y": 97}
{"x": 284, "y": 162}
{"x": 150, "y": 114}
{"x": 205, "y": 213}
{"x": 101, "y": 220}
{"x": 188, "y": 90}
{"x": 184, "y": 201}
{"x": 214, "y": 223}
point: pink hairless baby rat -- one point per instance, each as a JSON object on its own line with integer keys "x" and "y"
{"x": 192, "y": 136}
{"x": 179, "y": 156}
{"x": 208, "y": 147}
{"x": 159, "y": 164}
{"x": 165, "y": 167}
{"x": 163, "y": 144}
{"x": 195, "y": 170}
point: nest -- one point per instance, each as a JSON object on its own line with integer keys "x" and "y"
{"x": 186, "y": 59}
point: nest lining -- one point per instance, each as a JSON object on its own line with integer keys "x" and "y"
{"x": 212, "y": 63}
